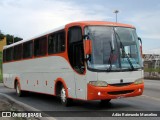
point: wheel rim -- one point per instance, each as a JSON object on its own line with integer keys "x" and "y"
{"x": 18, "y": 90}
{"x": 63, "y": 95}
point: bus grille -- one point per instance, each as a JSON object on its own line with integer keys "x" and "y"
{"x": 120, "y": 84}
{"x": 120, "y": 92}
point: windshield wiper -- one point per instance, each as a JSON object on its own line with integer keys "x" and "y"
{"x": 110, "y": 60}
{"x": 129, "y": 61}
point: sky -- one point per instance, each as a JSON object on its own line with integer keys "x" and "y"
{"x": 29, "y": 18}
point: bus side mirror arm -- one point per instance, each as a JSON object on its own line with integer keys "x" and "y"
{"x": 88, "y": 58}
{"x": 140, "y": 40}
{"x": 87, "y": 47}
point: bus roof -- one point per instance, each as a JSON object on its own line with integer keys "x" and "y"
{"x": 83, "y": 23}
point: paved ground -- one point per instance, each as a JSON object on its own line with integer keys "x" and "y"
{"x": 149, "y": 101}
{"x": 8, "y": 105}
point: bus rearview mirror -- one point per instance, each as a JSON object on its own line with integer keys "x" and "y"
{"x": 140, "y": 40}
{"x": 112, "y": 45}
{"x": 88, "y": 47}
{"x": 140, "y": 46}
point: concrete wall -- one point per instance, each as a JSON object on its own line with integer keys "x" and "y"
{"x": 152, "y": 66}
{"x": 152, "y": 75}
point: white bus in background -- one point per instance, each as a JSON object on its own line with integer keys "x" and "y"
{"x": 87, "y": 60}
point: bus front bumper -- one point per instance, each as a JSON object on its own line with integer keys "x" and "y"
{"x": 113, "y": 92}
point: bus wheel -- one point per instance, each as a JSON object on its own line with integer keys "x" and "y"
{"x": 18, "y": 90}
{"x": 64, "y": 100}
{"x": 105, "y": 101}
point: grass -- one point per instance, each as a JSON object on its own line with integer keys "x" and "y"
{"x": 152, "y": 70}
{"x": 1, "y": 78}
{"x": 1, "y": 67}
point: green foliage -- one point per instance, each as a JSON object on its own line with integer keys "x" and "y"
{"x": 1, "y": 78}
{"x": 1, "y": 36}
{"x": 0, "y": 54}
{"x": 151, "y": 70}
{"x": 11, "y": 39}
{"x": 0, "y": 67}
{"x": 16, "y": 39}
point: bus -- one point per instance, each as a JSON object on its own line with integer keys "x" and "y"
{"x": 85, "y": 60}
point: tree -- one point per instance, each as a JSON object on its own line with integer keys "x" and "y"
{"x": 16, "y": 39}
{"x": 11, "y": 39}
{"x": 1, "y": 35}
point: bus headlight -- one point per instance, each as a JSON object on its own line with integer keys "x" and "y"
{"x": 98, "y": 83}
{"x": 138, "y": 81}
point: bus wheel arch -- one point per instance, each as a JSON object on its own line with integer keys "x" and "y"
{"x": 61, "y": 91}
{"x": 17, "y": 86}
{"x": 59, "y": 82}
{"x": 16, "y": 81}
{"x": 58, "y": 86}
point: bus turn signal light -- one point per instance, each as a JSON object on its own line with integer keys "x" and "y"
{"x": 138, "y": 81}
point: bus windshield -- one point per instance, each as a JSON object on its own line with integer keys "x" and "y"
{"x": 113, "y": 48}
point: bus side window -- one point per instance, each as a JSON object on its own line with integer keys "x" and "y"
{"x": 61, "y": 41}
{"x": 4, "y": 55}
{"x": 28, "y": 49}
{"x": 9, "y": 54}
{"x": 56, "y": 42}
{"x": 52, "y": 43}
{"x": 18, "y": 52}
{"x": 40, "y": 46}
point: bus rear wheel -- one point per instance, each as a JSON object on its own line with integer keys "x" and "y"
{"x": 18, "y": 90}
{"x": 64, "y": 100}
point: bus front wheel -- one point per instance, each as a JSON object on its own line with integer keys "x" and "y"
{"x": 105, "y": 101}
{"x": 64, "y": 100}
{"x": 18, "y": 90}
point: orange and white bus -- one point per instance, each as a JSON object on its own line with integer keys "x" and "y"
{"x": 87, "y": 60}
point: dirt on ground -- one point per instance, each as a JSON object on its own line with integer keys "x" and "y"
{"x": 7, "y": 107}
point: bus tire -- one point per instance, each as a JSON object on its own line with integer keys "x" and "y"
{"x": 64, "y": 100}
{"x": 103, "y": 102}
{"x": 18, "y": 90}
